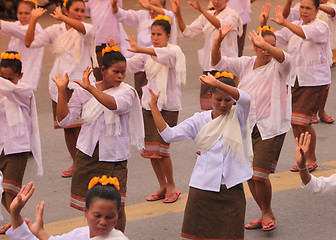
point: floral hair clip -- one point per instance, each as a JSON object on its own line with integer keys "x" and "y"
{"x": 224, "y": 74}
{"x": 265, "y": 28}
{"x": 33, "y": 1}
{"x": 65, "y": 2}
{"x": 10, "y": 56}
{"x": 110, "y": 49}
{"x": 163, "y": 17}
{"x": 104, "y": 181}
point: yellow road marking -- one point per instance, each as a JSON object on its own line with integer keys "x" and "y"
{"x": 280, "y": 182}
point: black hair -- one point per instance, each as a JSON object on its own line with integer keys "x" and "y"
{"x": 31, "y": 4}
{"x": 316, "y": 3}
{"x": 267, "y": 33}
{"x": 163, "y": 2}
{"x": 226, "y": 80}
{"x": 70, "y": 2}
{"x": 111, "y": 58}
{"x": 163, "y": 23}
{"x": 14, "y": 64}
{"x": 108, "y": 192}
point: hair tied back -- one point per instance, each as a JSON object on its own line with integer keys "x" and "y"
{"x": 110, "y": 49}
{"x": 10, "y": 56}
{"x": 265, "y": 28}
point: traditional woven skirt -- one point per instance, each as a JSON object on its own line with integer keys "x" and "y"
{"x": 13, "y": 167}
{"x": 305, "y": 103}
{"x": 265, "y": 154}
{"x": 214, "y": 215}
{"x": 155, "y": 147}
{"x": 77, "y": 123}
{"x": 86, "y": 168}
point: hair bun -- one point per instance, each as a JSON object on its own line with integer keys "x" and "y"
{"x": 110, "y": 49}
{"x": 265, "y": 28}
{"x": 33, "y": 1}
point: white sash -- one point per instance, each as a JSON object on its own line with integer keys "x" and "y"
{"x": 93, "y": 109}
{"x": 154, "y": 69}
{"x": 228, "y": 127}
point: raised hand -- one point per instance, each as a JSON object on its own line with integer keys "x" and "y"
{"x": 145, "y": 4}
{"x": 61, "y": 82}
{"x": 264, "y": 14}
{"x": 22, "y": 198}
{"x": 85, "y": 83}
{"x": 38, "y": 12}
{"x": 195, "y": 4}
{"x": 175, "y": 4}
{"x": 257, "y": 40}
{"x": 279, "y": 18}
{"x": 37, "y": 227}
{"x": 112, "y": 42}
{"x": 133, "y": 44}
{"x": 209, "y": 80}
{"x": 57, "y": 14}
{"x": 302, "y": 148}
{"x": 222, "y": 32}
{"x": 152, "y": 102}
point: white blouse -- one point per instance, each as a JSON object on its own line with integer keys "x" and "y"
{"x": 311, "y": 57}
{"x": 212, "y": 168}
{"x": 19, "y": 93}
{"x": 243, "y": 7}
{"x": 111, "y": 148}
{"x": 166, "y": 57}
{"x": 229, "y": 46}
{"x": 31, "y": 58}
{"x": 81, "y": 233}
{"x": 65, "y": 62}
{"x": 321, "y": 185}
{"x": 142, "y": 21}
{"x": 267, "y": 86}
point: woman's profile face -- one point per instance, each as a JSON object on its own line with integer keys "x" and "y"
{"x": 308, "y": 11}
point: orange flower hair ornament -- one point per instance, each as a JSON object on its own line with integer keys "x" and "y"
{"x": 110, "y": 49}
{"x": 224, "y": 74}
{"x": 33, "y": 1}
{"x": 163, "y": 17}
{"x": 10, "y": 56}
{"x": 265, "y": 28}
{"x": 104, "y": 181}
{"x": 65, "y": 2}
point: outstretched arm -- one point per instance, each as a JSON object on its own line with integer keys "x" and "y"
{"x": 287, "y": 8}
{"x": 62, "y": 109}
{"x": 259, "y": 42}
{"x": 279, "y": 19}
{"x": 220, "y": 35}
{"x": 115, "y": 7}
{"x": 158, "y": 119}
{"x": 213, "y": 82}
{"x": 107, "y": 100}
{"x": 30, "y": 34}
{"x": 328, "y": 10}
{"x": 211, "y": 18}
{"x": 301, "y": 151}
{"x": 177, "y": 11}
{"x": 78, "y": 25}
{"x": 137, "y": 49}
{"x": 146, "y": 4}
